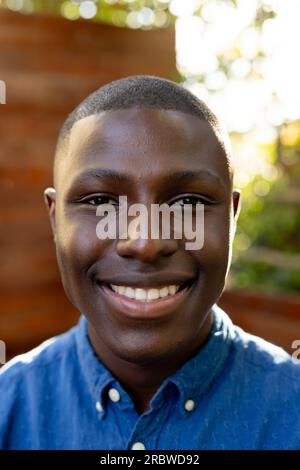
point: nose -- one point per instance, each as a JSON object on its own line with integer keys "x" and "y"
{"x": 147, "y": 250}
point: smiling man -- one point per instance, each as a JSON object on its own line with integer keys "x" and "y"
{"x": 153, "y": 363}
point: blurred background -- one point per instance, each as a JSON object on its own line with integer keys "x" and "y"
{"x": 240, "y": 56}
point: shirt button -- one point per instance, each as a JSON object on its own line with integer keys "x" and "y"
{"x": 189, "y": 405}
{"x": 138, "y": 446}
{"x": 99, "y": 406}
{"x": 114, "y": 394}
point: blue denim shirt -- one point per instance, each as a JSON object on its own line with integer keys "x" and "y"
{"x": 237, "y": 392}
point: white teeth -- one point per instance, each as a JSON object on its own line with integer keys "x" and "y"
{"x": 129, "y": 292}
{"x": 145, "y": 294}
{"x": 153, "y": 294}
{"x": 140, "y": 294}
{"x": 163, "y": 292}
{"x": 173, "y": 289}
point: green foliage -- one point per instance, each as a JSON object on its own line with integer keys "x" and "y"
{"x": 267, "y": 245}
{"x": 136, "y": 14}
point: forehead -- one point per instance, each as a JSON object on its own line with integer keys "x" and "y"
{"x": 145, "y": 142}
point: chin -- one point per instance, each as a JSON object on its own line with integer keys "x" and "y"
{"x": 141, "y": 354}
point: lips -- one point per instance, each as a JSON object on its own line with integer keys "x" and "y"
{"x": 145, "y": 309}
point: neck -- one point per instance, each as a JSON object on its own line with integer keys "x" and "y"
{"x": 141, "y": 380}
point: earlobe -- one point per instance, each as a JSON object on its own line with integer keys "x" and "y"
{"x": 50, "y": 201}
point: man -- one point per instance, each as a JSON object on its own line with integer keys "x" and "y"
{"x": 154, "y": 363}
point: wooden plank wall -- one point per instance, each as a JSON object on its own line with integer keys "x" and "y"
{"x": 49, "y": 64}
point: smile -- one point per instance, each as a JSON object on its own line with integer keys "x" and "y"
{"x": 145, "y": 295}
{"x": 150, "y": 303}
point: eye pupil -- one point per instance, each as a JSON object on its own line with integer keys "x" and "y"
{"x": 97, "y": 200}
{"x": 191, "y": 200}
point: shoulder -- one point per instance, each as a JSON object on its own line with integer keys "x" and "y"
{"x": 254, "y": 354}
{"x": 264, "y": 356}
{"x": 36, "y": 365}
{"x": 30, "y": 384}
{"x": 265, "y": 368}
{"x": 267, "y": 380}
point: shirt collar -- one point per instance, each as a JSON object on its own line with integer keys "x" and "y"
{"x": 198, "y": 374}
{"x": 96, "y": 375}
{"x": 193, "y": 379}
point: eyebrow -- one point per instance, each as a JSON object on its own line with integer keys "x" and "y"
{"x": 172, "y": 178}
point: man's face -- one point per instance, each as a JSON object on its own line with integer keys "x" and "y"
{"x": 139, "y": 153}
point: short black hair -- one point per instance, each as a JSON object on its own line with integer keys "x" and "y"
{"x": 143, "y": 91}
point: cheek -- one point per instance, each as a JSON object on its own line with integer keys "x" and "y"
{"x": 215, "y": 251}
{"x": 77, "y": 241}
{"x": 78, "y": 248}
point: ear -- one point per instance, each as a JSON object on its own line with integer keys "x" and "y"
{"x": 50, "y": 201}
{"x": 236, "y": 201}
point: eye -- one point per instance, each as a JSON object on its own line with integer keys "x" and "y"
{"x": 193, "y": 200}
{"x": 98, "y": 200}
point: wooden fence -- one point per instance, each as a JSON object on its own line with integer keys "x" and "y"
{"x": 48, "y": 65}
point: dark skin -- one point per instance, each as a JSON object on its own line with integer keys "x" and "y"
{"x": 148, "y": 146}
